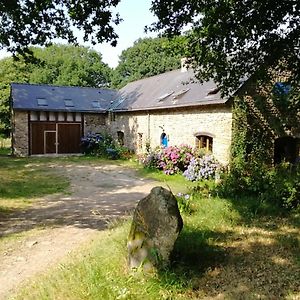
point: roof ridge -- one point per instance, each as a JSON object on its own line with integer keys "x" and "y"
{"x": 157, "y": 75}
{"x": 63, "y": 86}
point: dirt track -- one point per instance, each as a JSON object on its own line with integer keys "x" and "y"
{"x": 98, "y": 194}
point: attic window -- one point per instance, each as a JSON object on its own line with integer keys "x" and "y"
{"x": 42, "y": 102}
{"x": 180, "y": 93}
{"x": 213, "y": 91}
{"x": 69, "y": 103}
{"x": 115, "y": 104}
{"x": 96, "y": 104}
{"x": 164, "y": 96}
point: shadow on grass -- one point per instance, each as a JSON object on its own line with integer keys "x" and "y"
{"x": 235, "y": 265}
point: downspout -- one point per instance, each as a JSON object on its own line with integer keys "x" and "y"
{"x": 148, "y": 126}
{"x": 148, "y": 137}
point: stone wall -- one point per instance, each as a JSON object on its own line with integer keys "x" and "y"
{"x": 180, "y": 125}
{"x": 20, "y": 137}
{"x": 95, "y": 123}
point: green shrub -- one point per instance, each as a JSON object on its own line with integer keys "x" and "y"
{"x": 103, "y": 145}
{"x": 278, "y": 185}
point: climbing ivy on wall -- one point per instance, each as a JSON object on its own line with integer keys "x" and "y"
{"x": 261, "y": 114}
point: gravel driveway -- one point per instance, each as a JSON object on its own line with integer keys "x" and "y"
{"x": 98, "y": 194}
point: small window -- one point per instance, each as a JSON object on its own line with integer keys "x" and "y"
{"x": 286, "y": 149}
{"x": 69, "y": 103}
{"x": 96, "y": 104}
{"x": 180, "y": 93}
{"x": 204, "y": 142}
{"x": 140, "y": 141}
{"x": 120, "y": 138}
{"x": 163, "y": 97}
{"x": 213, "y": 91}
{"x": 112, "y": 116}
{"x": 42, "y": 102}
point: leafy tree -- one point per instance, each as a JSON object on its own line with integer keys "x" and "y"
{"x": 69, "y": 65}
{"x": 230, "y": 40}
{"x": 25, "y": 22}
{"x": 56, "y": 64}
{"x": 10, "y": 71}
{"x": 148, "y": 57}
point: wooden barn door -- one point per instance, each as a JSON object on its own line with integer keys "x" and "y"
{"x": 52, "y": 138}
{"x": 49, "y": 142}
{"x": 69, "y": 138}
{"x": 42, "y": 137}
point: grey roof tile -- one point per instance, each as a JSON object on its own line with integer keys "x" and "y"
{"x": 170, "y": 89}
{"x": 61, "y": 98}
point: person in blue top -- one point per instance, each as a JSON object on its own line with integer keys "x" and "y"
{"x": 164, "y": 139}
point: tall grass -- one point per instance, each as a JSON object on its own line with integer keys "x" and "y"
{"x": 226, "y": 250}
{"x": 99, "y": 271}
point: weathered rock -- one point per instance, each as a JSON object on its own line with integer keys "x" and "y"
{"x": 155, "y": 227}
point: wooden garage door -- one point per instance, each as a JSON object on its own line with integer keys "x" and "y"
{"x": 69, "y": 138}
{"x": 54, "y": 138}
{"x": 40, "y": 134}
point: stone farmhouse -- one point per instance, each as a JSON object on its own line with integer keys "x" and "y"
{"x": 167, "y": 109}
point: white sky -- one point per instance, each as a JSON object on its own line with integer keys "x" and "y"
{"x": 135, "y": 15}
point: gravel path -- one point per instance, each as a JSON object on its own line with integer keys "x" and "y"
{"x": 99, "y": 193}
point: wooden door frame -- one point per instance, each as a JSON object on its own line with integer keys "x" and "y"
{"x": 45, "y": 140}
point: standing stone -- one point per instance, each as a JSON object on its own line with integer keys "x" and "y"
{"x": 155, "y": 227}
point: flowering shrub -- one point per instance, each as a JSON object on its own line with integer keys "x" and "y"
{"x": 171, "y": 160}
{"x": 149, "y": 160}
{"x": 103, "y": 145}
{"x": 201, "y": 168}
{"x": 92, "y": 142}
{"x": 174, "y": 159}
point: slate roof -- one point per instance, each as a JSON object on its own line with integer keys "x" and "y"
{"x": 170, "y": 89}
{"x": 61, "y": 98}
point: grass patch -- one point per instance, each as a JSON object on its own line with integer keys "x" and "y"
{"x": 5, "y": 147}
{"x": 216, "y": 256}
{"x": 228, "y": 249}
{"x": 23, "y": 179}
{"x": 177, "y": 182}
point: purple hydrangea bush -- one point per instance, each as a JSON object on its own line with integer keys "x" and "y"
{"x": 149, "y": 160}
{"x": 201, "y": 168}
{"x": 174, "y": 159}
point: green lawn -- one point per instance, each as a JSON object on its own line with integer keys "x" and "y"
{"x": 227, "y": 250}
{"x": 23, "y": 180}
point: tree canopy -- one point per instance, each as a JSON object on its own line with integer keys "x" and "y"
{"x": 148, "y": 57}
{"x": 25, "y": 23}
{"x": 56, "y": 64}
{"x": 230, "y": 40}
{"x": 69, "y": 65}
